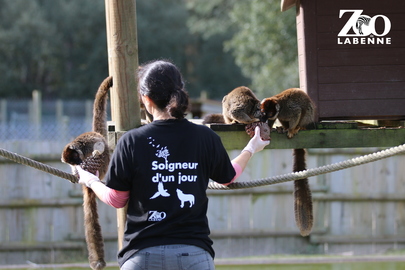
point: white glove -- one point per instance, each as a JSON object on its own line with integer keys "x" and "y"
{"x": 256, "y": 144}
{"x": 86, "y": 178}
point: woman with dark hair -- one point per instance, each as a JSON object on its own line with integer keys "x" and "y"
{"x": 162, "y": 171}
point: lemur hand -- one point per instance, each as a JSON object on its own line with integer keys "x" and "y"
{"x": 86, "y": 178}
{"x": 256, "y": 144}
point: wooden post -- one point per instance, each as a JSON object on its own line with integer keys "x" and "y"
{"x": 36, "y": 113}
{"x": 89, "y": 112}
{"x": 123, "y": 64}
{"x": 3, "y": 112}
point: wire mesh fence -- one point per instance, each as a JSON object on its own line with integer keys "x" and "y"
{"x": 49, "y": 130}
{"x": 57, "y": 120}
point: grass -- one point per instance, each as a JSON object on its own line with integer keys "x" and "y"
{"x": 391, "y": 261}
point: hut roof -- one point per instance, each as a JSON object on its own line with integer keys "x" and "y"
{"x": 287, "y": 4}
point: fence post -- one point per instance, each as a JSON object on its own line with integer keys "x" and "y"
{"x": 89, "y": 112}
{"x": 3, "y": 111}
{"x": 3, "y": 118}
{"x": 36, "y": 113}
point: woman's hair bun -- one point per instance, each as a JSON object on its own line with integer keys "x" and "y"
{"x": 162, "y": 82}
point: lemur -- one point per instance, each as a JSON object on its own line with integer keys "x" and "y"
{"x": 238, "y": 106}
{"x": 90, "y": 151}
{"x": 295, "y": 110}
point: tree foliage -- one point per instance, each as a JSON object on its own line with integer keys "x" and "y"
{"x": 265, "y": 45}
{"x": 60, "y": 47}
{"x": 57, "y": 47}
{"x": 163, "y": 32}
{"x": 262, "y": 40}
{"x": 27, "y": 50}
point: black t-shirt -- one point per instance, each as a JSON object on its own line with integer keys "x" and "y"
{"x": 166, "y": 165}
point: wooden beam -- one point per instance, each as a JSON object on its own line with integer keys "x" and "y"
{"x": 341, "y": 197}
{"x": 123, "y": 63}
{"x": 248, "y": 233}
{"x": 324, "y": 135}
{"x": 35, "y": 246}
{"x": 37, "y": 203}
{"x": 355, "y": 239}
{"x": 287, "y": 4}
{"x": 122, "y": 44}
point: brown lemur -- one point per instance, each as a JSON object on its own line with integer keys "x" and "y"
{"x": 238, "y": 106}
{"x": 295, "y": 110}
{"x": 241, "y": 106}
{"x": 90, "y": 151}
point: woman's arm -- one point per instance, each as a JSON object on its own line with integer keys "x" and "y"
{"x": 255, "y": 145}
{"x": 115, "y": 198}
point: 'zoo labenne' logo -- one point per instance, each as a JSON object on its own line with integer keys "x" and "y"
{"x": 360, "y": 29}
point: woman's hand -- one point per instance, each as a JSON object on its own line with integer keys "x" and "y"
{"x": 256, "y": 144}
{"x": 86, "y": 178}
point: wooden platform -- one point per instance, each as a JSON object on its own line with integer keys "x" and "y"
{"x": 323, "y": 135}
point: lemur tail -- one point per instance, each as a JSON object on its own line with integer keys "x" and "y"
{"x": 100, "y": 107}
{"x": 302, "y": 195}
{"x": 94, "y": 238}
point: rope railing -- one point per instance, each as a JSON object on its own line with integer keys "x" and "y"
{"x": 37, "y": 165}
{"x": 313, "y": 172}
{"x": 237, "y": 185}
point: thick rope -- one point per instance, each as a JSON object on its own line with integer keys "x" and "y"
{"x": 37, "y": 165}
{"x": 313, "y": 172}
{"x": 238, "y": 185}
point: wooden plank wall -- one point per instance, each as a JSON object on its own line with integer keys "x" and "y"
{"x": 352, "y": 81}
{"x": 357, "y": 211}
{"x": 41, "y": 215}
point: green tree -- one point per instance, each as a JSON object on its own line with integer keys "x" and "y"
{"x": 82, "y": 47}
{"x": 210, "y": 17}
{"x": 163, "y": 32}
{"x": 265, "y": 45}
{"x": 58, "y": 47}
{"x": 28, "y": 48}
{"x": 260, "y": 37}
{"x": 216, "y": 69}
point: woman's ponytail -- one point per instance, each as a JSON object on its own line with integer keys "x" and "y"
{"x": 178, "y": 104}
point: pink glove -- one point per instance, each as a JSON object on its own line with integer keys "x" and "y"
{"x": 256, "y": 144}
{"x": 86, "y": 178}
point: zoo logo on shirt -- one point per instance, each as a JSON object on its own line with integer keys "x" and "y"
{"x": 156, "y": 216}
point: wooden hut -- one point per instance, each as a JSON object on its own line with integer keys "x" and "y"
{"x": 352, "y": 57}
